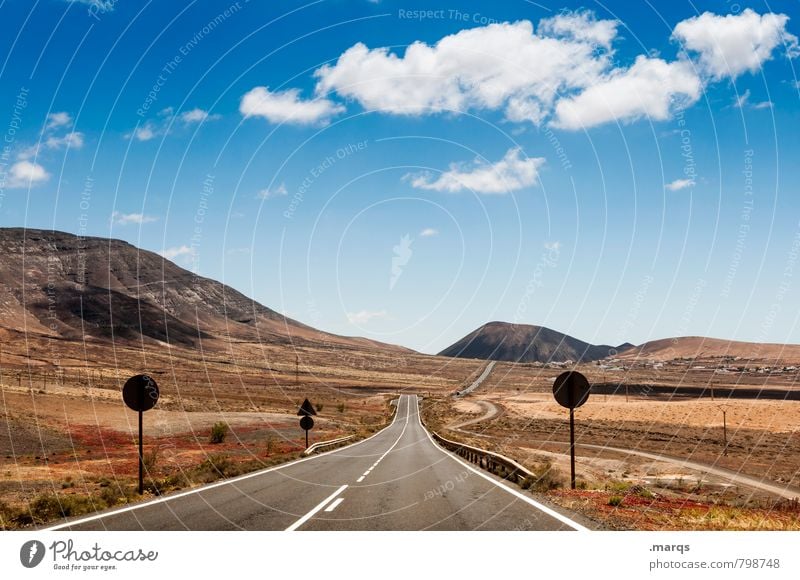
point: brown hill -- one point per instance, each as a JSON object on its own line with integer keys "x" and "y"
{"x": 698, "y": 347}
{"x": 60, "y": 285}
{"x": 503, "y": 341}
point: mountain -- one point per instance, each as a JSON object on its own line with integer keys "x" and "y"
{"x": 60, "y": 285}
{"x": 503, "y": 341}
{"x": 699, "y": 347}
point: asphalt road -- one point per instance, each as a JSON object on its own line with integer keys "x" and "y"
{"x": 398, "y": 479}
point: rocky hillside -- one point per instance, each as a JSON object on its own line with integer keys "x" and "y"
{"x": 61, "y": 285}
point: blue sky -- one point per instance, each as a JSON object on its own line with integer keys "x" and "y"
{"x": 407, "y": 171}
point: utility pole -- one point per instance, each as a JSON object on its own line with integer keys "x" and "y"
{"x": 297, "y": 373}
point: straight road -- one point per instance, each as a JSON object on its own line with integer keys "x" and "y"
{"x": 398, "y": 479}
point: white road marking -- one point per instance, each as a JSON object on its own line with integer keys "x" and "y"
{"x": 320, "y": 505}
{"x": 217, "y": 484}
{"x": 335, "y": 504}
{"x": 543, "y": 508}
{"x": 408, "y": 411}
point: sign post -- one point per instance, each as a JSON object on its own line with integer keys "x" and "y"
{"x": 306, "y": 422}
{"x": 141, "y": 394}
{"x": 571, "y": 390}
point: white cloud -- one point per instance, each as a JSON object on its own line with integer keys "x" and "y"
{"x": 56, "y": 120}
{"x": 742, "y": 101}
{"x": 124, "y": 219}
{"x": 511, "y": 173}
{"x": 650, "y": 88}
{"x": 679, "y": 184}
{"x": 73, "y": 140}
{"x": 166, "y": 120}
{"x": 553, "y": 246}
{"x": 146, "y": 132}
{"x": 176, "y": 252}
{"x": 727, "y": 46}
{"x": 365, "y": 316}
{"x": 270, "y": 193}
{"x": 429, "y": 233}
{"x": 287, "y": 107}
{"x": 499, "y": 67}
{"x": 580, "y": 26}
{"x": 26, "y": 174}
{"x": 197, "y": 116}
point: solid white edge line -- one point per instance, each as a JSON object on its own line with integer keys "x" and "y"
{"x": 159, "y": 500}
{"x": 334, "y": 504}
{"x": 360, "y": 479}
{"x": 550, "y": 512}
{"x": 320, "y": 505}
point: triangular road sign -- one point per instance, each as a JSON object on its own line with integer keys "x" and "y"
{"x": 306, "y": 408}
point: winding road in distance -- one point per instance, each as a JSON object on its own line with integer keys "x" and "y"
{"x": 398, "y": 479}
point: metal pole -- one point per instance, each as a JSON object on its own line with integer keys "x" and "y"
{"x": 572, "y": 447}
{"x": 141, "y": 457}
{"x": 725, "y": 431}
{"x": 306, "y": 438}
{"x": 297, "y": 374}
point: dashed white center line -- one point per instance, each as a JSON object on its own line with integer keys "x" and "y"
{"x": 310, "y": 514}
{"x": 335, "y": 504}
{"x": 374, "y": 465}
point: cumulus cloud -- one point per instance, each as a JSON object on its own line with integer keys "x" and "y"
{"x": 124, "y": 219}
{"x": 429, "y": 233}
{"x": 500, "y": 66}
{"x": 511, "y": 173}
{"x": 679, "y": 184}
{"x": 581, "y": 26}
{"x": 727, "y": 46}
{"x": 26, "y": 174}
{"x": 60, "y": 119}
{"x": 268, "y": 193}
{"x": 651, "y": 88}
{"x": 365, "y": 316}
{"x": 176, "y": 252}
{"x": 287, "y": 107}
{"x": 146, "y": 132}
{"x": 563, "y": 73}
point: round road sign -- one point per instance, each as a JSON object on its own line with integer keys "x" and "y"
{"x": 306, "y": 422}
{"x": 571, "y": 389}
{"x": 140, "y": 393}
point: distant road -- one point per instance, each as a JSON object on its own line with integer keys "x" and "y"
{"x": 490, "y": 411}
{"x": 477, "y": 383}
{"x": 398, "y": 479}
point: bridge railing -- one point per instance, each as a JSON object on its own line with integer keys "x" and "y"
{"x": 490, "y": 461}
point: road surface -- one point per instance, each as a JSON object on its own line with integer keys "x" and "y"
{"x": 398, "y": 479}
